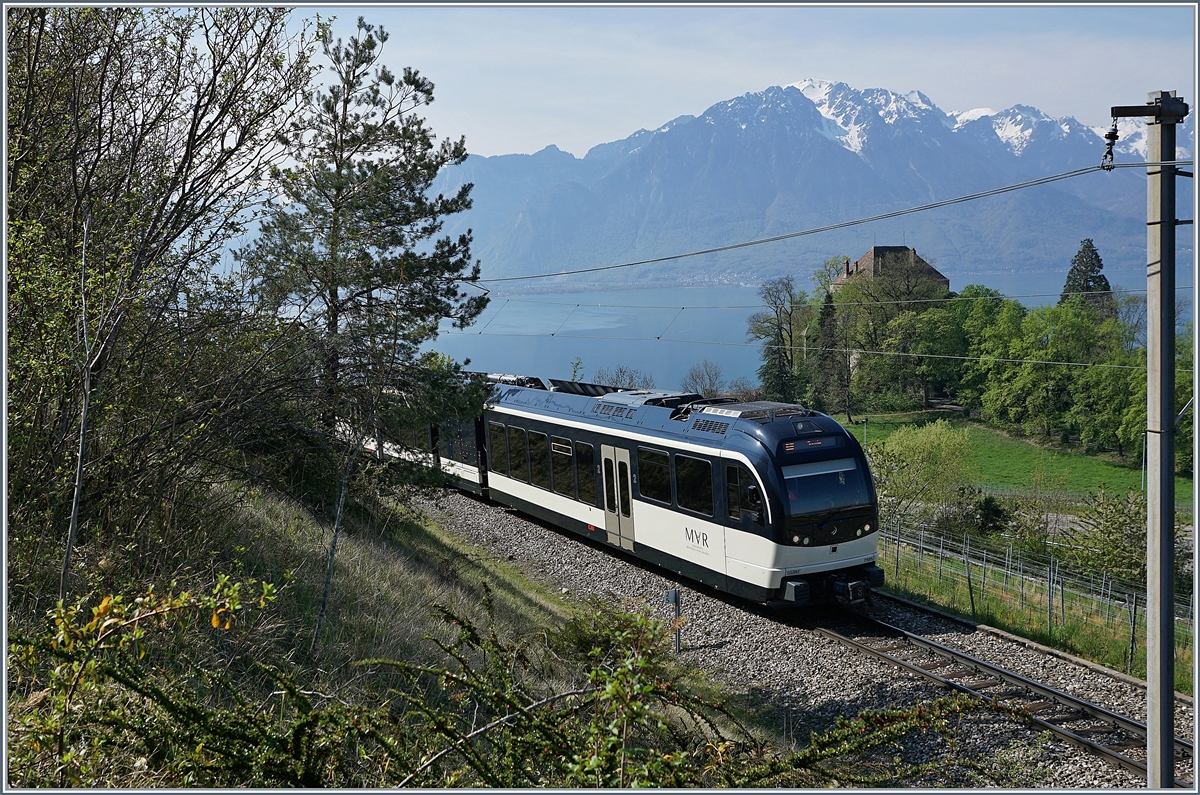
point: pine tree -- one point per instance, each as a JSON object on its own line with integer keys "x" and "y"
{"x": 1085, "y": 277}
{"x": 774, "y": 373}
{"x": 353, "y": 249}
{"x": 833, "y": 378}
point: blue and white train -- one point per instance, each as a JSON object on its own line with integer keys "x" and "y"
{"x": 768, "y": 501}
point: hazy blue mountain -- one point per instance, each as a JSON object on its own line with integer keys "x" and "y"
{"x": 803, "y": 156}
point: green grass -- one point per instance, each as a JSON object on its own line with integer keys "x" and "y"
{"x": 1090, "y": 630}
{"x": 1005, "y": 464}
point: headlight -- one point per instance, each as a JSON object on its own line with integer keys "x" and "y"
{"x": 859, "y": 533}
{"x": 867, "y": 527}
{"x": 807, "y": 540}
{"x": 795, "y": 539}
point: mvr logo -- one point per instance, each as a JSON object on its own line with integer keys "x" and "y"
{"x": 696, "y": 537}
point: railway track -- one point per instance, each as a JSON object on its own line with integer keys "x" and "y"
{"x": 1115, "y": 737}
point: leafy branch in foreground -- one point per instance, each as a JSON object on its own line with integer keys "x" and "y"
{"x": 626, "y": 714}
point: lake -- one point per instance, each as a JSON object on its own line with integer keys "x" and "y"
{"x": 649, "y": 328}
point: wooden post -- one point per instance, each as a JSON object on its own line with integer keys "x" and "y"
{"x": 1132, "y": 605}
{"x": 1050, "y": 596}
{"x": 896, "y": 569}
{"x": 967, "y": 566}
{"x": 1062, "y": 600}
{"x": 983, "y": 580}
{"x": 1021, "y": 578}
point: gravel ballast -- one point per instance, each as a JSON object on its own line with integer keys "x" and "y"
{"x": 806, "y": 680}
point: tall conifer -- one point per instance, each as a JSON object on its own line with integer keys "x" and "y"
{"x": 1085, "y": 277}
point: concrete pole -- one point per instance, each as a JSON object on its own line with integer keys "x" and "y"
{"x": 1160, "y": 422}
{"x": 1164, "y": 111}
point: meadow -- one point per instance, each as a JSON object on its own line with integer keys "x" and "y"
{"x": 1006, "y": 465}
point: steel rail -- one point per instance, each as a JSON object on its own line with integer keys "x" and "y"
{"x": 985, "y": 669}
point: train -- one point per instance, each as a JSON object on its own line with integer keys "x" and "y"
{"x": 770, "y": 502}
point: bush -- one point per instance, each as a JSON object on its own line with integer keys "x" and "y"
{"x": 92, "y": 709}
{"x": 921, "y": 469}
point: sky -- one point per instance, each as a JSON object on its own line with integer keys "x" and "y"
{"x": 517, "y": 79}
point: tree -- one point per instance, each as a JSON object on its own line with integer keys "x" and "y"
{"x": 704, "y": 378}
{"x": 832, "y": 378}
{"x": 624, "y": 377}
{"x": 1085, "y": 278}
{"x": 352, "y": 249}
{"x": 975, "y": 314}
{"x": 745, "y": 389}
{"x": 1132, "y": 431}
{"x": 921, "y": 466}
{"x": 352, "y": 246}
{"x": 879, "y": 312}
{"x": 137, "y": 142}
{"x": 784, "y": 329}
{"x": 775, "y": 373}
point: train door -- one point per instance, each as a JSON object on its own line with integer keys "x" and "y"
{"x": 618, "y": 496}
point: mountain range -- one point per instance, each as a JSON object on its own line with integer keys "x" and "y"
{"x": 806, "y": 155}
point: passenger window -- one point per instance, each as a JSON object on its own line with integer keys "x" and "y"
{"x": 498, "y": 448}
{"x": 562, "y": 465}
{"x": 623, "y": 469}
{"x": 610, "y": 489}
{"x": 654, "y": 475}
{"x": 539, "y": 459}
{"x": 741, "y": 493}
{"x": 518, "y": 464}
{"x": 585, "y": 465}
{"x": 693, "y": 484}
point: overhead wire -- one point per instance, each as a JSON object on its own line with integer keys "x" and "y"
{"x": 835, "y": 303}
{"x": 999, "y": 359}
{"x": 831, "y": 227}
{"x": 844, "y": 224}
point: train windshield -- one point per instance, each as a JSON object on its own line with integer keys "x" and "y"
{"x": 825, "y": 486}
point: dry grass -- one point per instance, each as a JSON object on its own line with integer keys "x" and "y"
{"x": 392, "y": 564}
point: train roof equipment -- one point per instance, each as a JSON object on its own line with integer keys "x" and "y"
{"x": 681, "y": 415}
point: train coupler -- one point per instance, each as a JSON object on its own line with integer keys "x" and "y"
{"x": 851, "y": 594}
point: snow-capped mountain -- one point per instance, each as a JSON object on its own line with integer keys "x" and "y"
{"x": 811, "y": 154}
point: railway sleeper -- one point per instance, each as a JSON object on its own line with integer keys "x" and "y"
{"x": 1068, "y": 717}
{"x": 982, "y": 684}
{"x": 933, "y": 665}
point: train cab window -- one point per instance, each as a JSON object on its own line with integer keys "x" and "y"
{"x": 825, "y": 486}
{"x": 562, "y": 466}
{"x": 741, "y": 494}
{"x": 693, "y": 484}
{"x": 654, "y": 475}
{"x": 623, "y": 476}
{"x": 539, "y": 459}
{"x": 610, "y": 489}
{"x": 585, "y": 465}
{"x": 517, "y": 463}
{"x": 498, "y": 448}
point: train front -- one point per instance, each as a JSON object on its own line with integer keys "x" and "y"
{"x": 824, "y": 511}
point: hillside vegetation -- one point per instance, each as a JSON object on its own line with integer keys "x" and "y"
{"x": 211, "y": 582}
{"x": 1006, "y": 464}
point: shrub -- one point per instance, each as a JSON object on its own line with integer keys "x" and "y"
{"x": 94, "y": 710}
